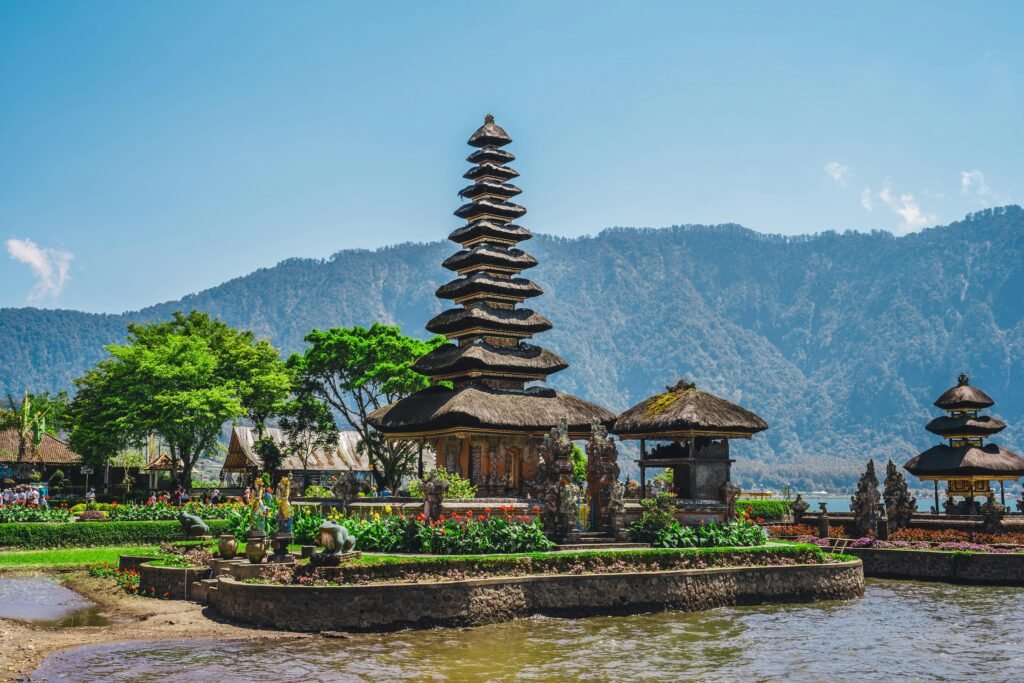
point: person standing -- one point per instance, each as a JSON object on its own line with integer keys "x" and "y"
{"x": 90, "y": 496}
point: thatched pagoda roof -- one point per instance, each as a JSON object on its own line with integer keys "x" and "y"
{"x": 682, "y": 411}
{"x": 482, "y": 256}
{"x": 484, "y": 283}
{"x": 947, "y": 461}
{"x": 524, "y": 359}
{"x": 479, "y": 231}
{"x": 490, "y": 155}
{"x": 490, "y": 187}
{"x": 489, "y": 135}
{"x": 490, "y": 170}
{"x": 477, "y": 408}
{"x": 965, "y": 425}
{"x": 964, "y": 397}
{"x": 486, "y": 207}
{"x": 484, "y": 320}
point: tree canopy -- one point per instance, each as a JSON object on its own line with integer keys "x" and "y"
{"x": 182, "y": 379}
{"x": 357, "y": 370}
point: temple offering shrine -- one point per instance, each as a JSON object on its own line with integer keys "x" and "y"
{"x": 489, "y": 425}
{"x": 692, "y": 429}
{"x": 966, "y": 463}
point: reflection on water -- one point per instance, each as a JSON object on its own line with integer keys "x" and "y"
{"x": 45, "y": 602}
{"x": 899, "y": 631}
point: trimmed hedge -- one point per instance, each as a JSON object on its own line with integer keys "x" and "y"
{"x": 656, "y": 559}
{"x": 97, "y": 533}
{"x": 768, "y": 509}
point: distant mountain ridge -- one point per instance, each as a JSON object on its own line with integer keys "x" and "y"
{"x": 840, "y": 341}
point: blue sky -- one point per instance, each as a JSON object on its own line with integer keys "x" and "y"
{"x": 152, "y": 149}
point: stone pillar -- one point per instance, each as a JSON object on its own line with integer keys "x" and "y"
{"x": 561, "y": 495}
{"x": 602, "y": 474}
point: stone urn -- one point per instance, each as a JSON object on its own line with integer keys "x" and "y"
{"x": 255, "y": 548}
{"x": 227, "y": 547}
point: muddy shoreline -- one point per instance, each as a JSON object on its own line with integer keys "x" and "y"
{"x": 132, "y": 618}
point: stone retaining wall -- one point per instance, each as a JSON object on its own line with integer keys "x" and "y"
{"x": 172, "y": 583}
{"x": 383, "y": 607}
{"x": 925, "y": 565}
{"x": 126, "y": 562}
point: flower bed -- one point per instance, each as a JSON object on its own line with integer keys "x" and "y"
{"x": 96, "y": 533}
{"x": 658, "y": 526}
{"x": 949, "y": 546}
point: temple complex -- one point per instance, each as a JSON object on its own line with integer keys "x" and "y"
{"x": 693, "y": 429}
{"x": 490, "y": 424}
{"x": 966, "y": 463}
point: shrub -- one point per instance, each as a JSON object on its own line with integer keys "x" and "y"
{"x": 657, "y": 516}
{"x": 96, "y": 533}
{"x": 458, "y": 488}
{"x": 768, "y": 509}
{"x": 92, "y": 516}
{"x": 165, "y": 512}
{"x": 315, "y": 491}
{"x": 32, "y": 513}
{"x": 455, "y": 535}
{"x": 739, "y": 534}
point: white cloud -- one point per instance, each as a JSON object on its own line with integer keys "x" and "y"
{"x": 865, "y": 198}
{"x": 49, "y": 266}
{"x": 973, "y": 182}
{"x": 838, "y": 172}
{"x": 914, "y": 217}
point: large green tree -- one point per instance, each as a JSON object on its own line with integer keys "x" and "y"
{"x": 308, "y": 427}
{"x": 182, "y": 379}
{"x": 357, "y": 370}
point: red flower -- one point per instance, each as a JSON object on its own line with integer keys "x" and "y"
{"x": 760, "y": 520}
{"x": 487, "y": 510}
{"x": 469, "y": 513}
{"x": 421, "y": 517}
{"x": 536, "y": 508}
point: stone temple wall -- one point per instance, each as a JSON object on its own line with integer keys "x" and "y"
{"x": 1005, "y": 569}
{"x": 383, "y": 607}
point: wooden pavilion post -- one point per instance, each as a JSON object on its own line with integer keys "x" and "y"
{"x": 1002, "y": 493}
{"x": 420, "y": 464}
{"x": 937, "y": 508}
{"x": 643, "y": 470}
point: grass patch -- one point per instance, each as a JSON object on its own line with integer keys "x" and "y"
{"x": 69, "y": 558}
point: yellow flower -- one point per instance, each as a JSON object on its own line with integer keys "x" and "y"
{"x": 387, "y": 509}
{"x": 376, "y": 515}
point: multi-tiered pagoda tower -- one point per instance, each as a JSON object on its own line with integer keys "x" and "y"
{"x": 489, "y": 425}
{"x": 966, "y": 463}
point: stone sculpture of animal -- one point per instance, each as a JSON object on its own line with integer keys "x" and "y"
{"x": 193, "y": 525}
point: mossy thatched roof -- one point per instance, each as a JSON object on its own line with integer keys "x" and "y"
{"x": 684, "y": 410}
{"x": 964, "y": 397}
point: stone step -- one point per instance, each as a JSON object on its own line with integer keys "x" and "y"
{"x": 570, "y": 547}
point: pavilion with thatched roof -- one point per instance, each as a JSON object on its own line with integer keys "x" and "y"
{"x": 966, "y": 463}
{"x": 489, "y": 425}
{"x": 694, "y": 427}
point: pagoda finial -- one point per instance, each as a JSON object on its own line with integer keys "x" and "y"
{"x": 489, "y": 118}
{"x": 963, "y": 380}
{"x": 682, "y": 385}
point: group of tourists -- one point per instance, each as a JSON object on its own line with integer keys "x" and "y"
{"x": 24, "y": 494}
{"x": 180, "y": 496}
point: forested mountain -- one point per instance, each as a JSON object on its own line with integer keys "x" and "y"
{"x": 840, "y": 341}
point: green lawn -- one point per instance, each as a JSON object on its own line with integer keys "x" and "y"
{"x": 65, "y": 558}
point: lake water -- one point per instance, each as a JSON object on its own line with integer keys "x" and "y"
{"x": 44, "y": 601}
{"x": 900, "y": 631}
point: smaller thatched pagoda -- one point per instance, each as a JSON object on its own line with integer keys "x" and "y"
{"x": 695, "y": 428}
{"x": 966, "y": 463}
